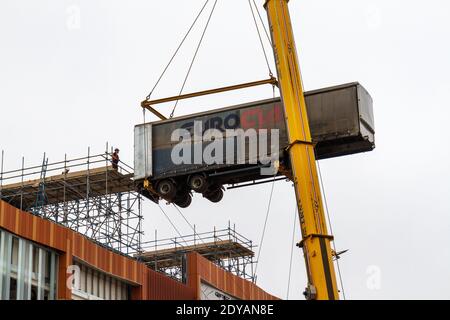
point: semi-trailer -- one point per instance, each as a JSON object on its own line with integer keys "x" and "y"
{"x": 204, "y": 151}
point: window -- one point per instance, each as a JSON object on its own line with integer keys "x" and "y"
{"x": 27, "y": 271}
{"x": 95, "y": 285}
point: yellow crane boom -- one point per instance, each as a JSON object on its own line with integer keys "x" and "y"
{"x": 315, "y": 238}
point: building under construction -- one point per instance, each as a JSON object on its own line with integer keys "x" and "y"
{"x": 81, "y": 219}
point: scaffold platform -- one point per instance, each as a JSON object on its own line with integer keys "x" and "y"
{"x": 85, "y": 194}
{"x": 226, "y": 248}
{"x": 95, "y": 182}
{"x": 217, "y": 250}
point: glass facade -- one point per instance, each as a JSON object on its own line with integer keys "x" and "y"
{"x": 27, "y": 271}
{"x": 97, "y": 285}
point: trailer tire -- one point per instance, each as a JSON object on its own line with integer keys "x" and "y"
{"x": 198, "y": 183}
{"x": 166, "y": 189}
{"x": 184, "y": 200}
{"x": 214, "y": 196}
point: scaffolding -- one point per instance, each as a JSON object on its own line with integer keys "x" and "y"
{"x": 89, "y": 196}
{"x": 84, "y": 194}
{"x": 226, "y": 248}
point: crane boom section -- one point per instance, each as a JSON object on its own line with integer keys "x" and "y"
{"x": 315, "y": 238}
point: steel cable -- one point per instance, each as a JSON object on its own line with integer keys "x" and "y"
{"x": 187, "y": 221}
{"x": 260, "y": 38}
{"x": 264, "y": 26}
{"x": 331, "y": 229}
{"x": 292, "y": 252}
{"x": 178, "y": 48}
{"x": 170, "y": 221}
{"x": 264, "y": 229}
{"x": 193, "y": 59}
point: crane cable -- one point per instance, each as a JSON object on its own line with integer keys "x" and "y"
{"x": 178, "y": 48}
{"x": 264, "y": 229}
{"x": 168, "y": 64}
{"x": 292, "y": 252}
{"x": 264, "y": 26}
{"x": 193, "y": 59}
{"x": 187, "y": 221}
{"x": 331, "y": 229}
{"x": 173, "y": 225}
{"x": 260, "y": 38}
{"x": 200, "y": 42}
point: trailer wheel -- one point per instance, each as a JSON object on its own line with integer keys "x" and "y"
{"x": 166, "y": 189}
{"x": 198, "y": 183}
{"x": 184, "y": 200}
{"x": 214, "y": 196}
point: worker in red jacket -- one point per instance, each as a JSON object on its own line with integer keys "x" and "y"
{"x": 115, "y": 159}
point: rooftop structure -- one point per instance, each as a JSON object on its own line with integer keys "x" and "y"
{"x": 226, "y": 248}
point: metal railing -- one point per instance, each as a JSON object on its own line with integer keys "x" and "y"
{"x": 79, "y": 202}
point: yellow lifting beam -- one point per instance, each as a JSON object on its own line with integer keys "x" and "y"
{"x": 147, "y": 104}
{"x": 315, "y": 238}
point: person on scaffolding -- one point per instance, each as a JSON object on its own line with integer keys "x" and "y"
{"x": 115, "y": 159}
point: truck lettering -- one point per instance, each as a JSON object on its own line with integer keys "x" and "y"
{"x": 261, "y": 117}
{"x": 231, "y": 121}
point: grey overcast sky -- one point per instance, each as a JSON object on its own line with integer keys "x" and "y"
{"x": 72, "y": 75}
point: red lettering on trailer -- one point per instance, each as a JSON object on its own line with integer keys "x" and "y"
{"x": 261, "y": 118}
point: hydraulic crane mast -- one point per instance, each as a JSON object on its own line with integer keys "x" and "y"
{"x": 315, "y": 238}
